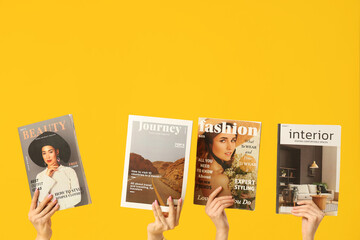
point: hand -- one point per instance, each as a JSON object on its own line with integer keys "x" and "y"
{"x": 164, "y": 222}
{"x": 51, "y": 169}
{"x": 215, "y": 209}
{"x": 40, "y": 215}
{"x": 311, "y": 218}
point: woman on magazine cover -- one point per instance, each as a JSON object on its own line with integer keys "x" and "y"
{"x": 48, "y": 150}
{"x": 220, "y": 149}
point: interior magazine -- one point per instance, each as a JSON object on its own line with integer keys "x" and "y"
{"x": 308, "y": 166}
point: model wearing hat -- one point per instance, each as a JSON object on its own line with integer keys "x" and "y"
{"x": 219, "y": 147}
{"x": 48, "y": 150}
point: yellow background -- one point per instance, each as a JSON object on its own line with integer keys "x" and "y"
{"x": 271, "y": 61}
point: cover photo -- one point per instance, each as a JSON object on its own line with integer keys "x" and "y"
{"x": 227, "y": 155}
{"x": 53, "y": 163}
{"x": 308, "y": 166}
{"x": 156, "y": 161}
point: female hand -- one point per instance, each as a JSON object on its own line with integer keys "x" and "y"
{"x": 51, "y": 169}
{"x": 215, "y": 209}
{"x": 311, "y": 218}
{"x": 164, "y": 222}
{"x": 40, "y": 215}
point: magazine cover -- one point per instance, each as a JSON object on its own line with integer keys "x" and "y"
{"x": 227, "y": 156}
{"x": 308, "y": 166}
{"x": 53, "y": 163}
{"x": 156, "y": 161}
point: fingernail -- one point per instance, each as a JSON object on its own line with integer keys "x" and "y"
{"x": 170, "y": 198}
{"x": 156, "y": 202}
{"x": 54, "y": 200}
{"x": 50, "y": 195}
{"x": 180, "y": 200}
{"x": 36, "y": 190}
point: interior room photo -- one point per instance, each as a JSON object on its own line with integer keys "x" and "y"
{"x": 308, "y": 173}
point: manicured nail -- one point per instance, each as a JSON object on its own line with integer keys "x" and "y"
{"x": 180, "y": 200}
{"x": 54, "y": 199}
{"x": 170, "y": 198}
{"x": 156, "y": 202}
{"x": 50, "y": 195}
{"x": 36, "y": 190}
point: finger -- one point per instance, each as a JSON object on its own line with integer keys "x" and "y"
{"x": 159, "y": 213}
{"x": 308, "y": 207}
{"x": 157, "y": 219}
{"x": 304, "y": 215}
{"x": 305, "y": 210}
{"x": 34, "y": 199}
{"x": 305, "y": 202}
{"x": 216, "y": 206}
{"x": 172, "y": 216}
{"x": 314, "y": 207}
{"x": 220, "y": 203}
{"x": 178, "y": 211}
{"x": 48, "y": 207}
{"x": 53, "y": 210}
{"x": 213, "y": 195}
{"x": 224, "y": 197}
{"x": 43, "y": 203}
{"x": 219, "y": 199}
{"x": 222, "y": 207}
{"x": 171, "y": 209}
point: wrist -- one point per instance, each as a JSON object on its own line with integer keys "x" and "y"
{"x": 222, "y": 233}
{"x": 40, "y": 237}
{"x": 308, "y": 237}
{"x": 155, "y": 236}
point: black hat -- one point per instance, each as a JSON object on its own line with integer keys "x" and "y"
{"x": 48, "y": 139}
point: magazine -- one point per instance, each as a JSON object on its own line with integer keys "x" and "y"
{"x": 308, "y": 166}
{"x": 53, "y": 163}
{"x": 156, "y": 161}
{"x": 227, "y": 156}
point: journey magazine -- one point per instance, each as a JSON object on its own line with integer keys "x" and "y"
{"x": 156, "y": 161}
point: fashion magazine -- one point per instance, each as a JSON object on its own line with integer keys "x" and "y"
{"x": 53, "y": 163}
{"x": 308, "y": 166}
{"x": 156, "y": 161}
{"x": 227, "y": 156}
